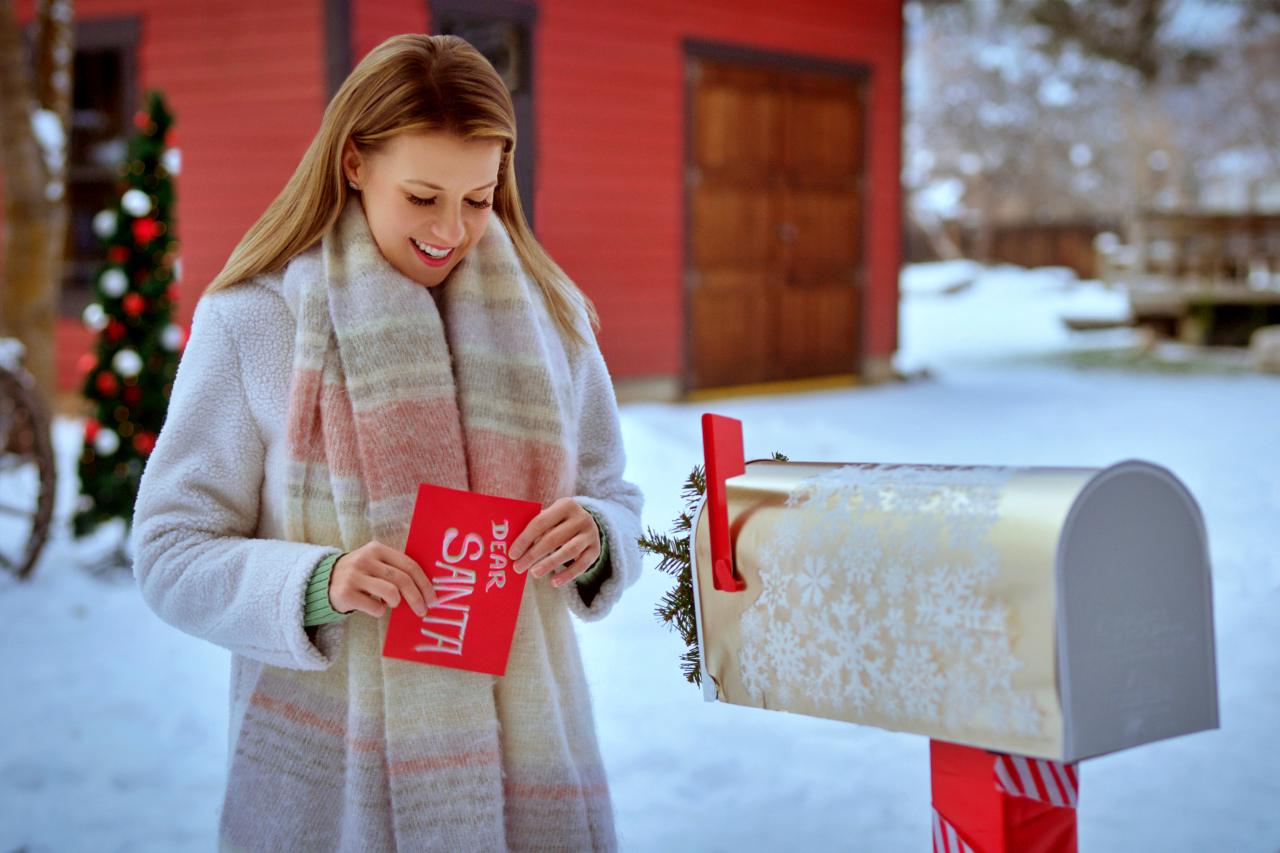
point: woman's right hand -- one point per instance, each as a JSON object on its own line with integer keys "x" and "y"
{"x": 374, "y": 576}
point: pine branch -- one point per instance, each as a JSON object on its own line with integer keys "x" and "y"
{"x": 677, "y": 609}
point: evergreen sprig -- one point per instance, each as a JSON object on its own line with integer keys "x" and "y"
{"x": 676, "y": 609}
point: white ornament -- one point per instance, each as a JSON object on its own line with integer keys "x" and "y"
{"x": 104, "y": 224}
{"x": 114, "y": 282}
{"x": 127, "y": 363}
{"x": 106, "y": 442}
{"x": 177, "y": 270}
{"x": 94, "y": 317}
{"x": 11, "y": 351}
{"x": 172, "y": 160}
{"x": 171, "y": 338}
{"x": 136, "y": 202}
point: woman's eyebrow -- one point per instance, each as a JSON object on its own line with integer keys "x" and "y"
{"x": 438, "y": 187}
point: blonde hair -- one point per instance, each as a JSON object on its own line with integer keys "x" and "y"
{"x": 408, "y": 84}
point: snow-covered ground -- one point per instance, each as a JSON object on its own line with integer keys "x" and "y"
{"x": 115, "y": 723}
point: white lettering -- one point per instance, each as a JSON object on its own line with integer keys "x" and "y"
{"x": 447, "y": 645}
{"x": 469, "y": 541}
{"x": 456, "y": 574}
{"x": 460, "y": 624}
{"x": 446, "y": 596}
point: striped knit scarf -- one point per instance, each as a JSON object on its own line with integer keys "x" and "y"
{"x": 380, "y": 753}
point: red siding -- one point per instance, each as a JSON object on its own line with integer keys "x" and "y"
{"x": 246, "y": 84}
{"x": 610, "y": 127}
{"x": 374, "y": 22}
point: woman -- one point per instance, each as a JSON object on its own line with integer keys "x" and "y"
{"x": 391, "y": 320}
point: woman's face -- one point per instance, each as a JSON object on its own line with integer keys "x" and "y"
{"x": 427, "y": 198}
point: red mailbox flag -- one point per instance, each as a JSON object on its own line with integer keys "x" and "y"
{"x": 722, "y": 450}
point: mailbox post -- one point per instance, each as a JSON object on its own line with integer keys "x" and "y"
{"x": 1024, "y": 619}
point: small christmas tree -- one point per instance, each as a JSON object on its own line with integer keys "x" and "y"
{"x": 129, "y": 376}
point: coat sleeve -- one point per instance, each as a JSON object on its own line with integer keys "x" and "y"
{"x": 196, "y": 560}
{"x": 600, "y": 487}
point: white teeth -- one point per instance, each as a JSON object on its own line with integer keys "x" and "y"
{"x": 435, "y": 253}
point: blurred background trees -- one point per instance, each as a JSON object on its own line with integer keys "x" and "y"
{"x": 1063, "y": 111}
{"x": 34, "y": 112}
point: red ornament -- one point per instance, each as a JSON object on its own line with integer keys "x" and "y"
{"x": 115, "y": 329}
{"x": 86, "y": 363}
{"x": 106, "y": 384}
{"x": 141, "y": 274}
{"x": 145, "y": 230}
{"x": 117, "y": 254}
{"x": 90, "y": 430}
{"x": 132, "y": 394}
{"x": 134, "y": 304}
{"x": 144, "y": 442}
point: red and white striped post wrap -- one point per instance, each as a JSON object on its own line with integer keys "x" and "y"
{"x": 945, "y": 837}
{"x": 1037, "y": 779}
{"x": 989, "y": 802}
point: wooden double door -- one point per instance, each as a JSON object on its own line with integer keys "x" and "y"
{"x": 774, "y": 192}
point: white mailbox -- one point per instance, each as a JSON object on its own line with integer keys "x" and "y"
{"x": 1058, "y": 613}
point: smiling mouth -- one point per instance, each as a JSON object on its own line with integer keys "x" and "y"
{"x": 431, "y": 255}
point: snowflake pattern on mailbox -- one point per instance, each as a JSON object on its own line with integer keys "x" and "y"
{"x": 876, "y": 600}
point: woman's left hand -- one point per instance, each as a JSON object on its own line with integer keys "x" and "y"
{"x": 562, "y": 539}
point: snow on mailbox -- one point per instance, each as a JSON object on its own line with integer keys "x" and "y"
{"x": 1052, "y": 613}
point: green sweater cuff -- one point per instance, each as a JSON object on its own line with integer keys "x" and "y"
{"x": 316, "y": 609}
{"x": 590, "y": 581}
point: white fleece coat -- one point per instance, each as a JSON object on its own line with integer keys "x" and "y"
{"x": 210, "y": 555}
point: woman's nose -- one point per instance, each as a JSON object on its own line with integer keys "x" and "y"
{"x": 448, "y": 227}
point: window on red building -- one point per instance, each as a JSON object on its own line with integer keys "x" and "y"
{"x": 503, "y": 31}
{"x": 104, "y": 98}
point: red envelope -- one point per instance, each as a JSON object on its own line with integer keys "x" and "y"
{"x": 460, "y": 539}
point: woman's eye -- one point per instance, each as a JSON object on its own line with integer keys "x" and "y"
{"x": 423, "y": 202}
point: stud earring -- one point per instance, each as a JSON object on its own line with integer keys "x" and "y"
{"x": 351, "y": 184}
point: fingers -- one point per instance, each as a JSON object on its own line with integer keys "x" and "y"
{"x": 380, "y": 590}
{"x": 542, "y": 522}
{"x": 414, "y": 572}
{"x": 566, "y": 553}
{"x": 573, "y": 520}
{"x": 366, "y": 603}
{"x": 385, "y": 576}
{"x": 580, "y": 564}
{"x": 540, "y": 550}
{"x": 375, "y": 576}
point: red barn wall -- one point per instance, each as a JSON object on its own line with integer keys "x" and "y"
{"x": 610, "y": 124}
{"x": 247, "y": 85}
{"x": 374, "y": 21}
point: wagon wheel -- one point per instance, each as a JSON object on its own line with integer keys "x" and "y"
{"x": 28, "y": 476}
